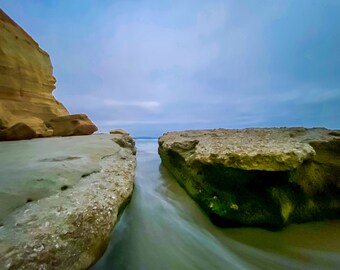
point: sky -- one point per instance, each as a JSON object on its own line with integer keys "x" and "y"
{"x": 156, "y": 66}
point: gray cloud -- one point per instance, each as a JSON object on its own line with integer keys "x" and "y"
{"x": 153, "y": 66}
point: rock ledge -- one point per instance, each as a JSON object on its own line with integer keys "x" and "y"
{"x": 70, "y": 228}
{"x": 258, "y": 177}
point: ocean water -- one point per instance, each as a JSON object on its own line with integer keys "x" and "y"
{"x": 163, "y": 228}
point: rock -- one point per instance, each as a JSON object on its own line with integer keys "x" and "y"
{"x": 26, "y": 84}
{"x": 19, "y": 131}
{"x": 60, "y": 199}
{"x": 26, "y": 79}
{"x": 71, "y": 125}
{"x": 258, "y": 177}
{"x": 119, "y": 131}
{"x": 126, "y": 141}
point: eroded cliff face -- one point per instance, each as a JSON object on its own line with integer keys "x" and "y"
{"x": 258, "y": 177}
{"x": 26, "y": 84}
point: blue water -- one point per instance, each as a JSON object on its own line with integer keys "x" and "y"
{"x": 162, "y": 228}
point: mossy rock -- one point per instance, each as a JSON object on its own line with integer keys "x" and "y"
{"x": 234, "y": 197}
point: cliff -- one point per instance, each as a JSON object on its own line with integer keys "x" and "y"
{"x": 26, "y": 85}
{"x": 258, "y": 177}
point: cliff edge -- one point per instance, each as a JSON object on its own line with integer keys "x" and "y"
{"x": 26, "y": 85}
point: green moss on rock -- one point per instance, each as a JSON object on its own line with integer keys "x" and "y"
{"x": 271, "y": 199}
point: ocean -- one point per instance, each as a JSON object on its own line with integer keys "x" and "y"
{"x": 163, "y": 228}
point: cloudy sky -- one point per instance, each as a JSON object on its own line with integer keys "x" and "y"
{"x": 154, "y": 66}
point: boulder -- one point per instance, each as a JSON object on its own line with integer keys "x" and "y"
{"x": 119, "y": 131}
{"x": 71, "y": 125}
{"x": 258, "y": 177}
{"x": 19, "y": 131}
{"x": 60, "y": 198}
{"x": 126, "y": 141}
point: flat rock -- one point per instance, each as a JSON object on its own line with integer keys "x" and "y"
{"x": 258, "y": 177}
{"x": 60, "y": 199}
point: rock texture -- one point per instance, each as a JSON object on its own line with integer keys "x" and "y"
{"x": 258, "y": 177}
{"x": 19, "y": 131}
{"x": 26, "y": 84}
{"x": 60, "y": 199}
{"x": 119, "y": 131}
{"x": 71, "y": 125}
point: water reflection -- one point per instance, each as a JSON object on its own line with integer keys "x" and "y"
{"x": 163, "y": 228}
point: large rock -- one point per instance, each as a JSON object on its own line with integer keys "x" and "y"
{"x": 60, "y": 199}
{"x": 19, "y": 131}
{"x": 71, "y": 125}
{"x": 26, "y": 82}
{"x": 119, "y": 131}
{"x": 26, "y": 79}
{"x": 258, "y": 177}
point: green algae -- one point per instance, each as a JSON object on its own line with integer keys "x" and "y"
{"x": 234, "y": 197}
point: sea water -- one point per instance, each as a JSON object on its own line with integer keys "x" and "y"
{"x": 162, "y": 228}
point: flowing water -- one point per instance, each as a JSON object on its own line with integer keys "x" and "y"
{"x": 162, "y": 228}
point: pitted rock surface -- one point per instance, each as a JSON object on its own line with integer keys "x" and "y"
{"x": 59, "y": 208}
{"x": 266, "y": 177}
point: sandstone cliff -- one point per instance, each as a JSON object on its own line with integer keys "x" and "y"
{"x": 258, "y": 177}
{"x": 26, "y": 84}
